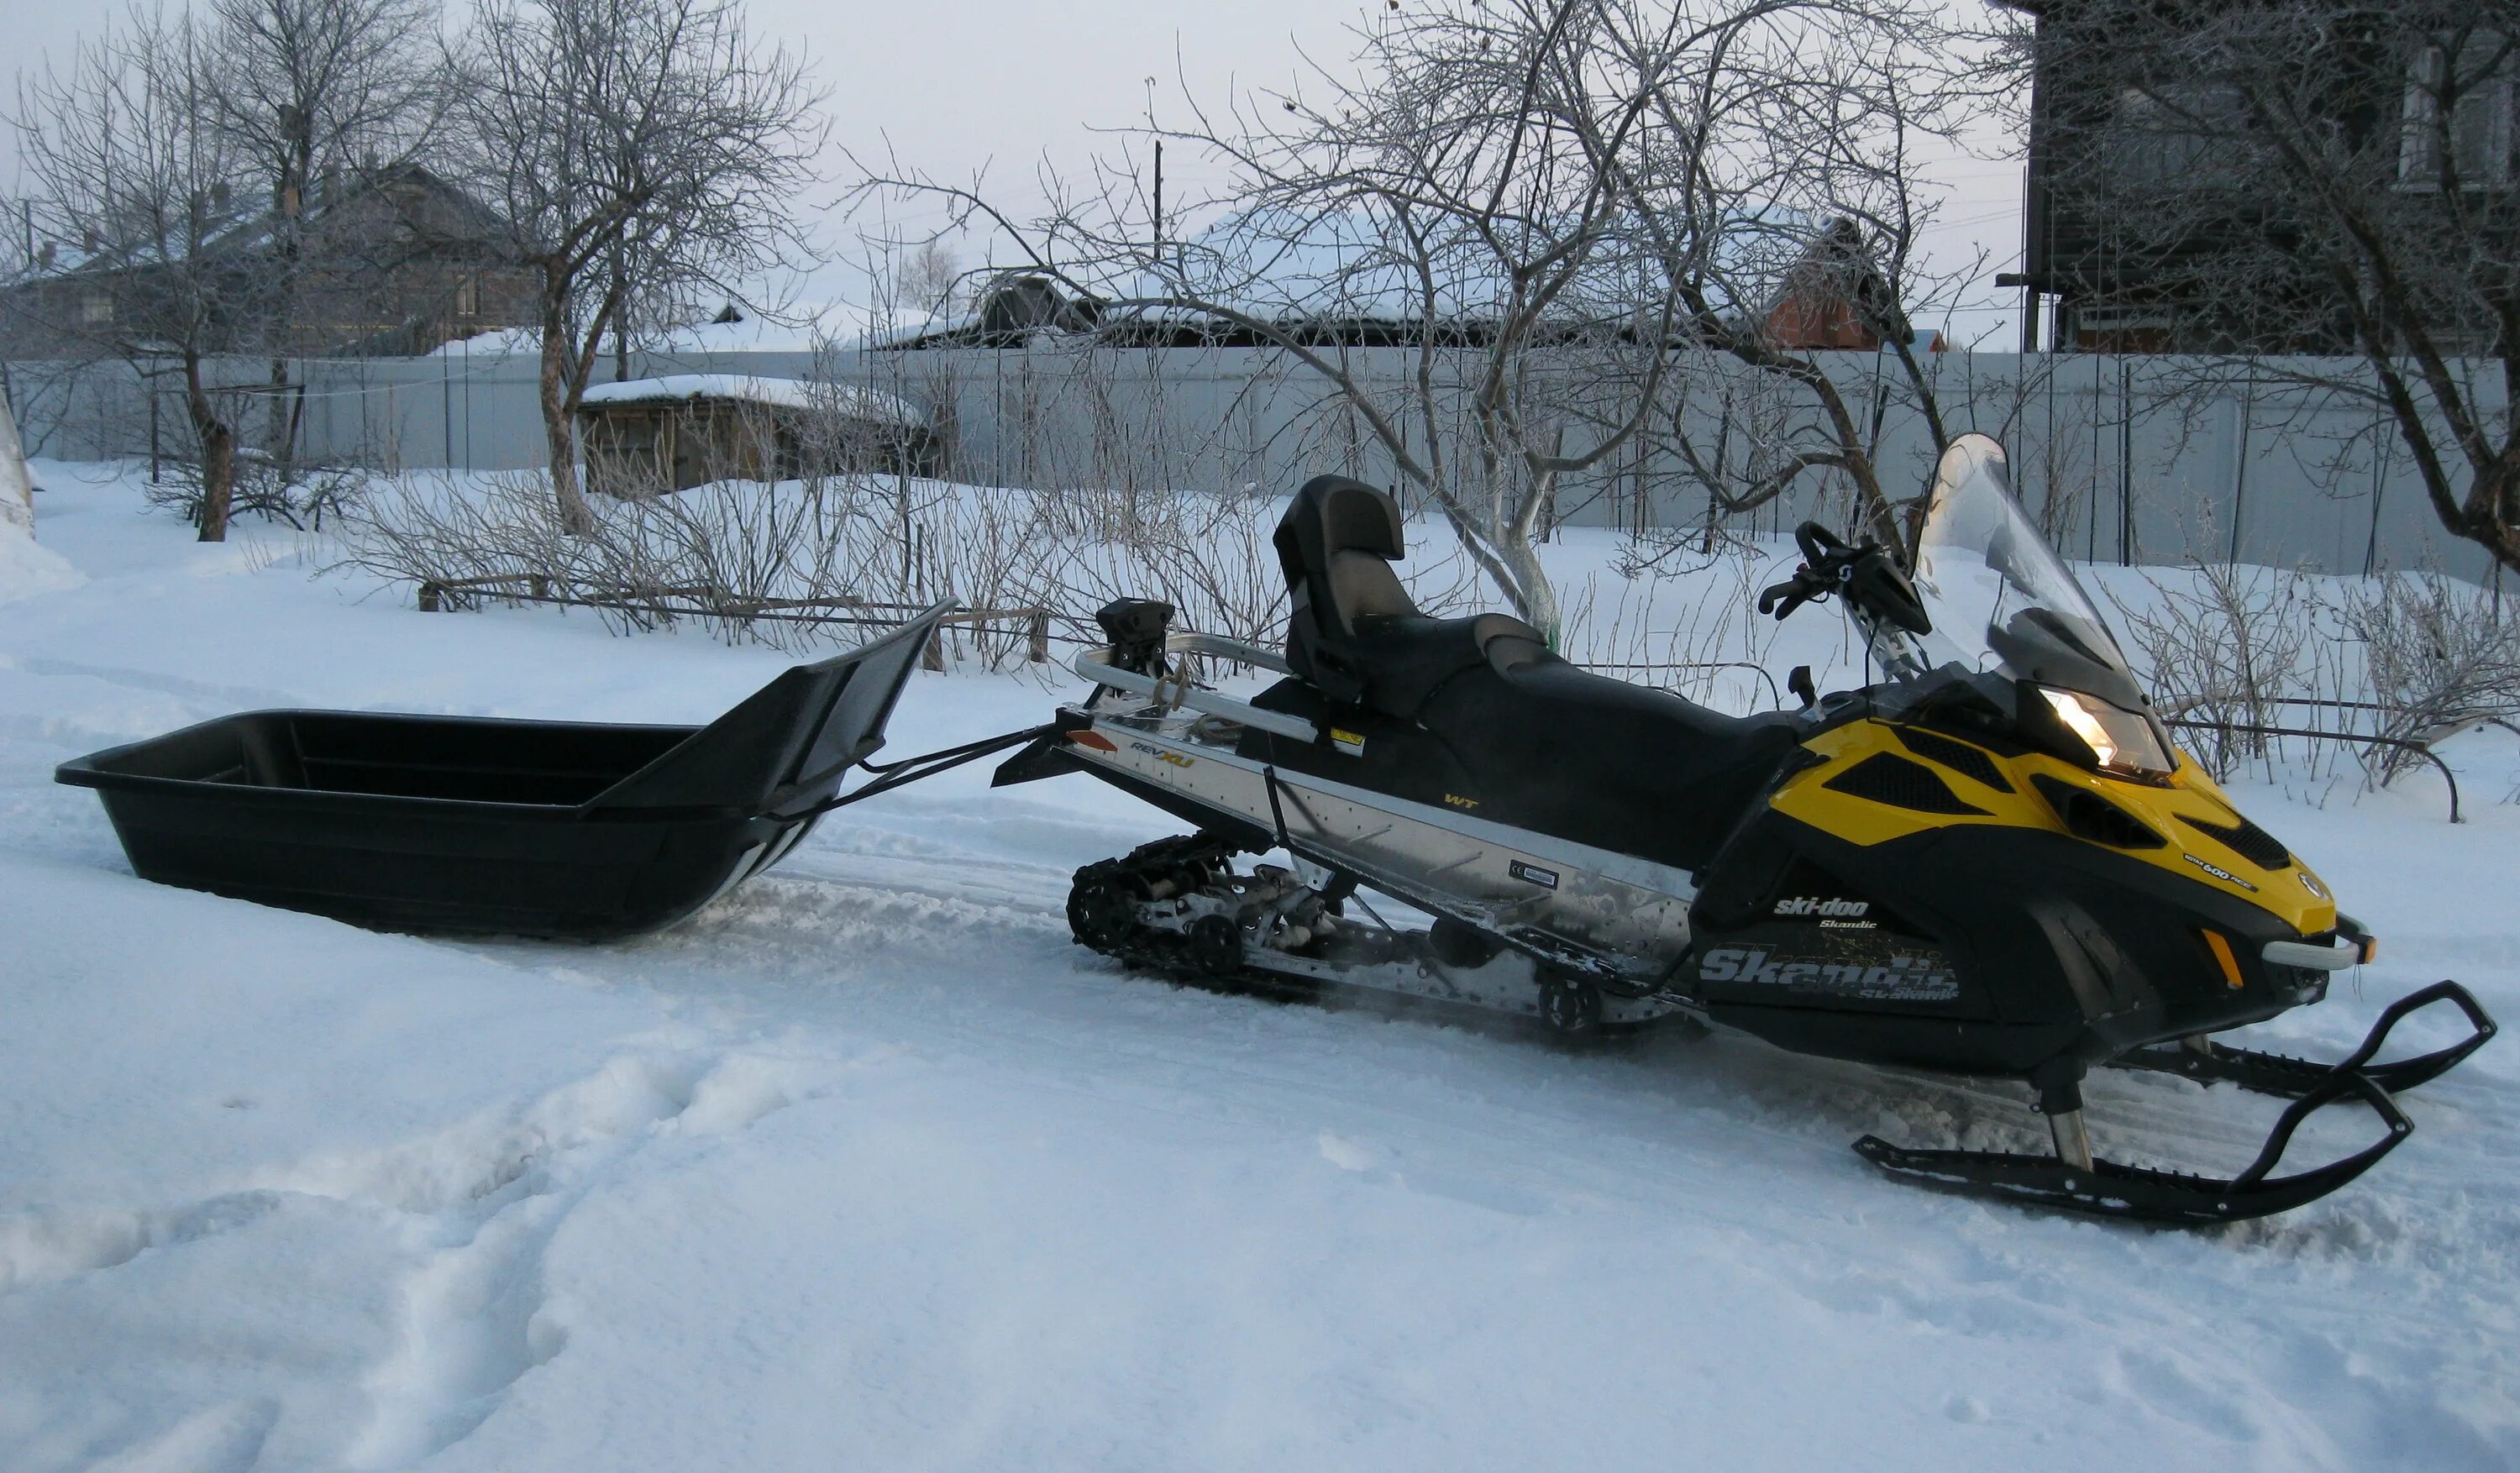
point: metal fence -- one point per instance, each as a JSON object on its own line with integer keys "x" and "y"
{"x": 2123, "y": 457}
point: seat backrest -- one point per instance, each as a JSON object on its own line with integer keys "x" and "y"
{"x": 1337, "y": 544}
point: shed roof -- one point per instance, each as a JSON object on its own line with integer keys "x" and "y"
{"x": 846, "y": 400}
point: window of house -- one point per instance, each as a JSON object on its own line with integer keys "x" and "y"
{"x": 467, "y": 295}
{"x": 96, "y": 307}
{"x": 2459, "y": 99}
{"x": 2167, "y": 131}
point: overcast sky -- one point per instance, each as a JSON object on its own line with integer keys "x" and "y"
{"x": 958, "y": 84}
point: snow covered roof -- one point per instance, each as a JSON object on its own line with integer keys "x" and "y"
{"x": 908, "y": 330}
{"x": 800, "y": 329}
{"x": 498, "y": 342}
{"x": 848, "y": 400}
{"x": 1353, "y": 271}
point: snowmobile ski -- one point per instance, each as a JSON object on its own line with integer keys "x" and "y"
{"x": 2203, "y": 1059}
{"x": 2108, "y": 1189}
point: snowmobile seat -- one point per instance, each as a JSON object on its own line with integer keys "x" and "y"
{"x": 1529, "y": 728}
{"x": 1355, "y": 633}
{"x": 1551, "y": 746}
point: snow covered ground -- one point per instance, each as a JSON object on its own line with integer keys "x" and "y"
{"x": 869, "y": 1166}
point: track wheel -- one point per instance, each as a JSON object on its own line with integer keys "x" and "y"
{"x": 1103, "y": 907}
{"x": 1571, "y": 1005}
{"x": 1215, "y": 945}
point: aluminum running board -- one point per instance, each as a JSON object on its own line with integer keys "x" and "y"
{"x": 1507, "y": 985}
{"x": 1165, "y": 916}
{"x": 1615, "y": 918}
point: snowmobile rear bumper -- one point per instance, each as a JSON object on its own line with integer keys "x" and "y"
{"x": 2110, "y": 1189}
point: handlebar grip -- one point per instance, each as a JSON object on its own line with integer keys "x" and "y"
{"x": 1795, "y": 593}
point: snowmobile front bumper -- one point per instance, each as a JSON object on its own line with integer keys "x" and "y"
{"x": 2110, "y": 1189}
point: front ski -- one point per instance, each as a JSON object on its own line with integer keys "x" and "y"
{"x": 2209, "y": 1063}
{"x": 2074, "y": 1180}
{"x": 2110, "y": 1189}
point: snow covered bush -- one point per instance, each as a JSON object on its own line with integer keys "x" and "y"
{"x": 2407, "y": 656}
{"x": 765, "y": 562}
{"x": 2226, "y": 646}
{"x": 2439, "y": 656}
{"x": 272, "y": 487}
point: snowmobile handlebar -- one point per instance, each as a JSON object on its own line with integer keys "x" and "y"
{"x": 1862, "y": 573}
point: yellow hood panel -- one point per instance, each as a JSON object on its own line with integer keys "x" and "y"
{"x": 2293, "y": 894}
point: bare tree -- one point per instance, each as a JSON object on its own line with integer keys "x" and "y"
{"x": 316, "y": 92}
{"x": 927, "y": 277}
{"x": 638, "y": 150}
{"x": 127, "y": 146}
{"x": 2321, "y": 177}
{"x": 1559, "y": 212}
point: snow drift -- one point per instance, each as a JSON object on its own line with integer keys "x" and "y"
{"x": 26, "y": 568}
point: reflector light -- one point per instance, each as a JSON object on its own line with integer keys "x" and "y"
{"x": 2223, "y": 957}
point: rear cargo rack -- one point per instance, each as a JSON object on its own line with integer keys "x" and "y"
{"x": 1173, "y": 692}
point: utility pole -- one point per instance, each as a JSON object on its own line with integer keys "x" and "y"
{"x": 1159, "y": 199}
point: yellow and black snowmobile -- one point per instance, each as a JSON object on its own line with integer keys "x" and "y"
{"x": 1991, "y": 860}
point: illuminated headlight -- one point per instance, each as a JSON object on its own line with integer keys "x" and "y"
{"x": 2120, "y": 741}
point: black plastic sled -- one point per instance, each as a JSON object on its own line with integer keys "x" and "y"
{"x": 479, "y": 826}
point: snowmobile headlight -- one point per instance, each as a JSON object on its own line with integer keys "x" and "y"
{"x": 2120, "y": 741}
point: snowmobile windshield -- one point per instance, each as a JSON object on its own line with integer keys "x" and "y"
{"x": 2000, "y": 600}
{"x": 2002, "y": 603}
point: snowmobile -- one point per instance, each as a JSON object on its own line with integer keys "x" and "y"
{"x": 1990, "y": 861}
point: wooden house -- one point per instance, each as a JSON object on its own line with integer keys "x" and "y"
{"x": 379, "y": 265}
{"x": 2123, "y": 115}
{"x": 643, "y": 436}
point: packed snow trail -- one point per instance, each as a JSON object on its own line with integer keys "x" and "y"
{"x": 867, "y": 1165}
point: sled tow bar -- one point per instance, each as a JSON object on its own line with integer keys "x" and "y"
{"x": 892, "y": 774}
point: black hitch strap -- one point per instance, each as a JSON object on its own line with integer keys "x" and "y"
{"x": 909, "y": 770}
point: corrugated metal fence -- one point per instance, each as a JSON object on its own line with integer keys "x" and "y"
{"x": 2122, "y": 457}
